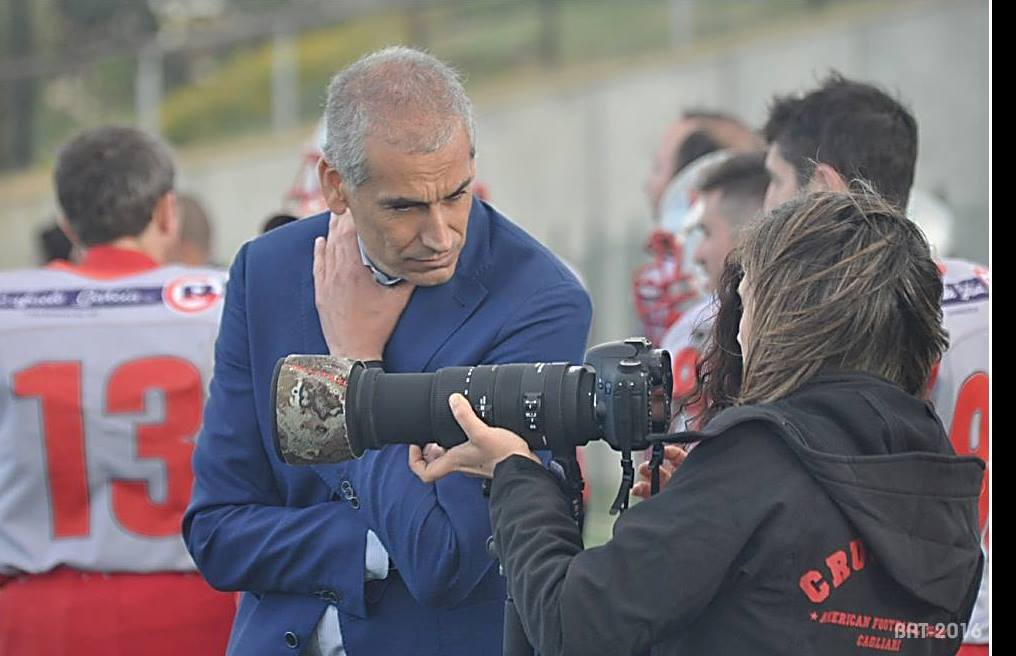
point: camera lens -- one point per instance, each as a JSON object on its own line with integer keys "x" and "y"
{"x": 546, "y": 404}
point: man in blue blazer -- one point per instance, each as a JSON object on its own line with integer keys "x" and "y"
{"x": 362, "y": 557}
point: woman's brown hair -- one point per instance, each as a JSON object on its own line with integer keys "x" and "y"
{"x": 836, "y": 281}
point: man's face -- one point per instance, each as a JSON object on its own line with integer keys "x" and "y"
{"x": 717, "y": 238}
{"x": 413, "y": 211}
{"x": 782, "y": 179}
{"x": 662, "y": 171}
{"x": 189, "y": 253}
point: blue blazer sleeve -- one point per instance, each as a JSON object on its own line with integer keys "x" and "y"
{"x": 436, "y": 533}
{"x": 239, "y": 531}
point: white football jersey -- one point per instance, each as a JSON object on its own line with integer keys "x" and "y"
{"x": 960, "y": 390}
{"x": 686, "y": 342}
{"x": 102, "y": 386}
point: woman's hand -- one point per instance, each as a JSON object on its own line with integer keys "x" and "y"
{"x": 486, "y": 447}
{"x": 673, "y": 456}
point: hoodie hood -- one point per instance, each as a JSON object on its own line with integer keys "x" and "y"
{"x": 884, "y": 459}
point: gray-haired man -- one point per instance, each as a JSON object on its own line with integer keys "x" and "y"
{"x": 409, "y": 269}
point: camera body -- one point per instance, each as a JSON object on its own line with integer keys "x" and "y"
{"x": 634, "y": 384}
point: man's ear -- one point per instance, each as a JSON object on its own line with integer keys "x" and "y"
{"x": 332, "y": 188}
{"x": 165, "y": 216}
{"x": 826, "y": 178}
{"x": 66, "y": 228}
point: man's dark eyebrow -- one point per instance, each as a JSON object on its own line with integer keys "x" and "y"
{"x": 460, "y": 188}
{"x": 403, "y": 201}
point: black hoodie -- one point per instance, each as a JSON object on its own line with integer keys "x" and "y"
{"x": 834, "y": 521}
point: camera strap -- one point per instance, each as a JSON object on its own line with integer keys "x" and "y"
{"x": 569, "y": 474}
{"x": 627, "y": 481}
{"x": 626, "y": 422}
{"x": 654, "y": 465}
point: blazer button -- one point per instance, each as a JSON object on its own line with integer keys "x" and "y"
{"x": 355, "y": 503}
{"x": 491, "y": 548}
{"x": 292, "y": 640}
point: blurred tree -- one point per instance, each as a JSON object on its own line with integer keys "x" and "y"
{"x": 550, "y": 32}
{"x": 40, "y": 38}
{"x": 19, "y": 93}
{"x": 88, "y": 21}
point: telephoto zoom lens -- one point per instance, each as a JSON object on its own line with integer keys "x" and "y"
{"x": 331, "y": 409}
{"x": 546, "y": 404}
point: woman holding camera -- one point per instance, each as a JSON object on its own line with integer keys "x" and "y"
{"x": 823, "y": 511}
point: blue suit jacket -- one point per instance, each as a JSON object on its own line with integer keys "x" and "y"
{"x": 286, "y": 535}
